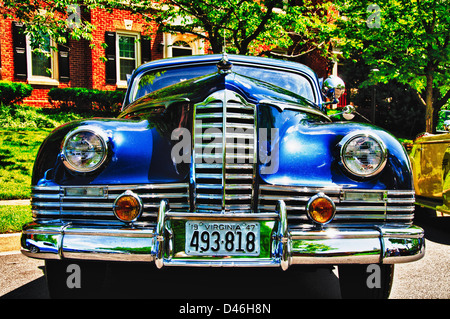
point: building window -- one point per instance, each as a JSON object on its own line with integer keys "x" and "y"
{"x": 127, "y": 53}
{"x": 42, "y": 63}
{"x": 41, "y": 66}
{"x": 124, "y": 52}
{"x": 41, "y": 60}
{"x": 181, "y": 48}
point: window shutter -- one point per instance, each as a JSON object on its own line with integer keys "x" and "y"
{"x": 20, "y": 50}
{"x": 146, "y": 53}
{"x": 63, "y": 62}
{"x": 110, "y": 54}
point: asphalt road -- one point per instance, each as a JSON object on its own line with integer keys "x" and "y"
{"x": 428, "y": 278}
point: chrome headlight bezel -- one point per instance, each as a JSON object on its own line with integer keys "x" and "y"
{"x": 102, "y": 140}
{"x": 382, "y": 154}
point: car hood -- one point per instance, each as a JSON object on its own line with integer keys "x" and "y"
{"x": 141, "y": 139}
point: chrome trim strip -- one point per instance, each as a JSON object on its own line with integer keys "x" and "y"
{"x": 327, "y": 190}
{"x": 221, "y": 216}
{"x": 391, "y": 205}
{"x": 432, "y": 141}
{"x": 52, "y": 201}
{"x": 229, "y": 262}
{"x": 124, "y": 232}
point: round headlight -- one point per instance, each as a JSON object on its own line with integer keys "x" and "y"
{"x": 85, "y": 149}
{"x": 363, "y": 154}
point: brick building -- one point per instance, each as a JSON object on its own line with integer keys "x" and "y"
{"x": 81, "y": 63}
{"x": 77, "y": 64}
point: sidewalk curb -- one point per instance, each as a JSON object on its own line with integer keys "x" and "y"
{"x": 10, "y": 242}
{"x": 20, "y": 202}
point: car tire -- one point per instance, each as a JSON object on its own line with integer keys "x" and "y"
{"x": 354, "y": 281}
{"x": 74, "y": 278}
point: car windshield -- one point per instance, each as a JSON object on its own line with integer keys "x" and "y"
{"x": 158, "y": 79}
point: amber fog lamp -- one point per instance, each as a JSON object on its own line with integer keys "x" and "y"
{"x": 128, "y": 207}
{"x": 321, "y": 209}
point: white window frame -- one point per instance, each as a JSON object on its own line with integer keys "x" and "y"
{"x": 188, "y": 47}
{"x": 169, "y": 39}
{"x": 137, "y": 47}
{"x": 43, "y": 80}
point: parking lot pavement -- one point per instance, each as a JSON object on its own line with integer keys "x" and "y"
{"x": 428, "y": 278}
{"x": 21, "y": 277}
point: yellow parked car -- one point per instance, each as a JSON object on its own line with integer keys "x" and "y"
{"x": 430, "y": 159}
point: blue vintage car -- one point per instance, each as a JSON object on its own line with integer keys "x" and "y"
{"x": 227, "y": 161}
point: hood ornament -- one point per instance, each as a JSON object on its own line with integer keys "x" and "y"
{"x": 224, "y": 65}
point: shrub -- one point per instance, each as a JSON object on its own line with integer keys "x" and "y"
{"x": 23, "y": 116}
{"x": 13, "y": 92}
{"x": 84, "y": 99}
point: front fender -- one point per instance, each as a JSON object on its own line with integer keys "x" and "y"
{"x": 309, "y": 155}
{"x": 137, "y": 154}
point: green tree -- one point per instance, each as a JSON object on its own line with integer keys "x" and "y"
{"x": 247, "y": 26}
{"x": 253, "y": 27}
{"x": 55, "y": 18}
{"x": 407, "y": 41}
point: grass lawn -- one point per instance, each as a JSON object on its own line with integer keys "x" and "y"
{"x": 12, "y": 218}
{"x": 18, "y": 149}
{"x": 22, "y": 130}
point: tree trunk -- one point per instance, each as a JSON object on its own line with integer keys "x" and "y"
{"x": 430, "y": 126}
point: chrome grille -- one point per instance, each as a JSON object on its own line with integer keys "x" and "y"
{"x": 224, "y": 153}
{"x": 53, "y": 202}
{"x": 381, "y": 206}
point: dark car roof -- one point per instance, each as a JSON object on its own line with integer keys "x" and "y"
{"x": 241, "y": 59}
{"x": 169, "y": 62}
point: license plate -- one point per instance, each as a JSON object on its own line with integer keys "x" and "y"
{"x": 222, "y": 238}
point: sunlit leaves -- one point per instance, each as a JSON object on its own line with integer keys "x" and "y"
{"x": 411, "y": 45}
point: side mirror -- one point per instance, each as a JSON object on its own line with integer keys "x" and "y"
{"x": 348, "y": 112}
{"x": 447, "y": 125}
{"x": 333, "y": 88}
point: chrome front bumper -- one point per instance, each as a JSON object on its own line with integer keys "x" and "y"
{"x": 288, "y": 246}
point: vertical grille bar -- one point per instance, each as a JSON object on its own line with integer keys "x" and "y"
{"x": 224, "y": 153}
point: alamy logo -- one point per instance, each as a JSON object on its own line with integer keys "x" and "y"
{"x": 74, "y": 278}
{"x": 374, "y": 19}
{"x": 374, "y": 278}
{"x": 237, "y": 149}
{"x": 74, "y": 18}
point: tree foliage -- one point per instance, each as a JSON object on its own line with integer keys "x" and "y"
{"x": 408, "y": 42}
{"x": 243, "y": 26}
{"x": 253, "y": 27}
